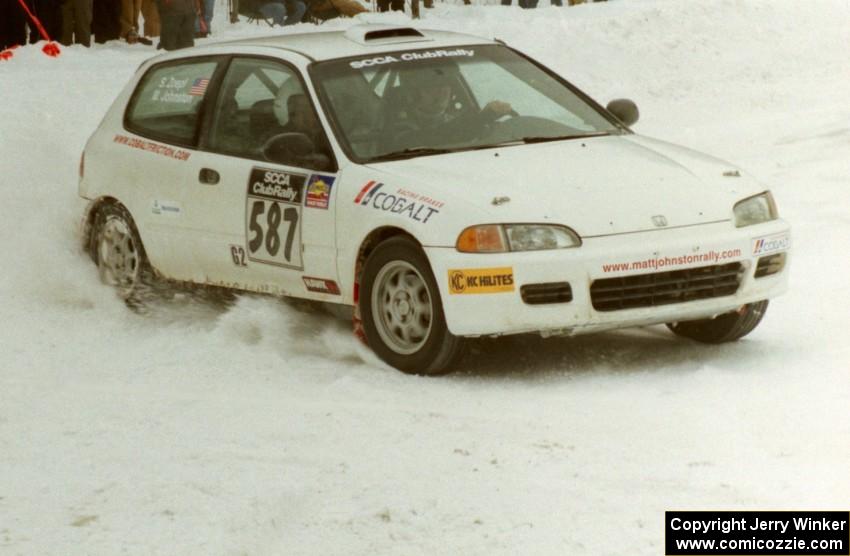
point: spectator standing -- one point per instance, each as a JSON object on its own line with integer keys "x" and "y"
{"x": 49, "y": 12}
{"x": 323, "y": 10}
{"x": 106, "y": 21}
{"x": 395, "y": 5}
{"x": 281, "y": 12}
{"x": 525, "y": 4}
{"x": 203, "y": 25}
{"x": 76, "y": 22}
{"x": 13, "y": 24}
{"x": 130, "y": 10}
{"x": 177, "y": 23}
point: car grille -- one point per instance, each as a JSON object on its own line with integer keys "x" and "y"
{"x": 665, "y": 288}
{"x": 542, "y": 294}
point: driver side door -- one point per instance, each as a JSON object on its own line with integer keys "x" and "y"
{"x": 254, "y": 220}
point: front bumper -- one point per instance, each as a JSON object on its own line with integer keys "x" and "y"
{"x": 493, "y": 304}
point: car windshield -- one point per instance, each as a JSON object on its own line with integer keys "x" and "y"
{"x": 430, "y": 101}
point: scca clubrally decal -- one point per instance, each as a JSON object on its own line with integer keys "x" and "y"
{"x": 273, "y": 217}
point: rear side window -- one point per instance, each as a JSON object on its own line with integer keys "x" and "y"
{"x": 167, "y": 102}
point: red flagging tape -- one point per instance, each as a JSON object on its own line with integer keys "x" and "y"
{"x": 51, "y": 48}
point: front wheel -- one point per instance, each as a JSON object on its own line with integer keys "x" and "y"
{"x": 727, "y": 327}
{"x": 402, "y": 312}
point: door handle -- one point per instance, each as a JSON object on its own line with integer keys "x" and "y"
{"x": 208, "y": 176}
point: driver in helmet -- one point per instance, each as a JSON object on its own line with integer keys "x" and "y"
{"x": 430, "y": 109}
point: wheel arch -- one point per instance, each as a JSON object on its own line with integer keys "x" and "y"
{"x": 368, "y": 244}
{"x": 438, "y": 349}
{"x": 91, "y": 215}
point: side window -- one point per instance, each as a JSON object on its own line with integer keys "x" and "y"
{"x": 357, "y": 104}
{"x": 168, "y": 100}
{"x": 263, "y": 113}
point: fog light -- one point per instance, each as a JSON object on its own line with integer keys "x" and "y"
{"x": 770, "y": 265}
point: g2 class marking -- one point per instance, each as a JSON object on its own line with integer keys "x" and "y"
{"x": 237, "y": 255}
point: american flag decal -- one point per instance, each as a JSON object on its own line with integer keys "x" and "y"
{"x": 199, "y": 87}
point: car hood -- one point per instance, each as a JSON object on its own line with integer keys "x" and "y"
{"x": 597, "y": 186}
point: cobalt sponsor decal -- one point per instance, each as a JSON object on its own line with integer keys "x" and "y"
{"x": 481, "y": 280}
{"x": 320, "y": 285}
{"x": 319, "y": 191}
{"x": 401, "y": 201}
{"x": 771, "y": 244}
{"x": 412, "y": 57}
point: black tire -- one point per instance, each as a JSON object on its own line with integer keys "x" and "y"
{"x": 117, "y": 250}
{"x": 727, "y": 327}
{"x": 402, "y": 310}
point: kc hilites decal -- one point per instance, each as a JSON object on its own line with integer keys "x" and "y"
{"x": 321, "y": 285}
{"x": 481, "y": 280}
{"x": 319, "y": 191}
{"x": 273, "y": 217}
{"x": 401, "y": 201}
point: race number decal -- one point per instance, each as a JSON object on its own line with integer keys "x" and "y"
{"x": 273, "y": 217}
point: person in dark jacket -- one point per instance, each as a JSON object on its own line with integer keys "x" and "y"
{"x": 76, "y": 22}
{"x": 177, "y": 23}
{"x": 13, "y": 24}
{"x": 106, "y": 21}
{"x": 49, "y": 12}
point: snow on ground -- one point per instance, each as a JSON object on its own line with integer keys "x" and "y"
{"x": 255, "y": 429}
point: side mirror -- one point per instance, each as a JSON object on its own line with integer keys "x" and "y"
{"x": 284, "y": 146}
{"x": 295, "y": 149}
{"x": 625, "y": 110}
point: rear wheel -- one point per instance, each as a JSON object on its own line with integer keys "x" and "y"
{"x": 118, "y": 252}
{"x": 402, "y": 311}
{"x": 727, "y": 327}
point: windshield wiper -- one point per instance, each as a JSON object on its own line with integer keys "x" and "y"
{"x": 425, "y": 151}
{"x": 415, "y": 151}
{"x": 545, "y": 139}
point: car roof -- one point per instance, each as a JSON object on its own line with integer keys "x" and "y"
{"x": 359, "y": 40}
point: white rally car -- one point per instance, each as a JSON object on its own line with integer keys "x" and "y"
{"x": 444, "y": 186}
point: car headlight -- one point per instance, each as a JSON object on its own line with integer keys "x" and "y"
{"x": 755, "y": 210}
{"x": 501, "y": 238}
